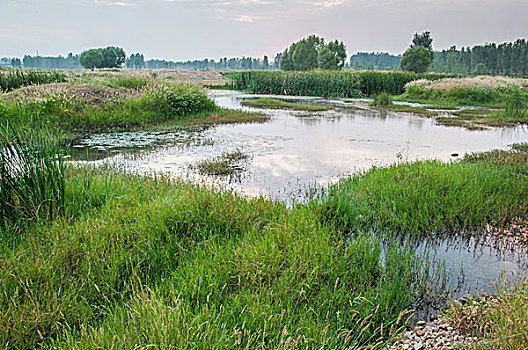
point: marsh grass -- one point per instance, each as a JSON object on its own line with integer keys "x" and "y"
{"x": 324, "y": 83}
{"x": 140, "y": 261}
{"x": 430, "y": 196}
{"x": 14, "y": 79}
{"x": 31, "y": 177}
{"x": 274, "y": 103}
{"x": 382, "y": 99}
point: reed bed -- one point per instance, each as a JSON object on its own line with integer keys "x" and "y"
{"x": 14, "y": 79}
{"x": 325, "y": 83}
{"x": 31, "y": 177}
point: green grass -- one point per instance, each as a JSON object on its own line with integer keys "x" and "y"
{"x": 137, "y": 261}
{"x": 159, "y": 104}
{"x": 274, "y": 103}
{"x": 31, "y": 177}
{"x": 426, "y": 197}
{"x": 16, "y": 78}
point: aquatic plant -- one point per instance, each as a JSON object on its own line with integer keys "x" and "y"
{"x": 430, "y": 196}
{"x": 325, "y": 83}
{"x": 14, "y": 79}
{"x": 382, "y": 100}
{"x": 31, "y": 176}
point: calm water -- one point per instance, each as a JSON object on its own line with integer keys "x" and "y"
{"x": 296, "y": 150}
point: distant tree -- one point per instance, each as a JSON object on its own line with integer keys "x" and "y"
{"x": 109, "y": 57}
{"x": 278, "y": 57}
{"x": 327, "y": 60}
{"x": 305, "y": 55}
{"x": 286, "y": 61}
{"x": 15, "y": 62}
{"x": 416, "y": 59}
{"x": 423, "y": 40}
{"x": 265, "y": 63}
{"x": 92, "y": 59}
{"x": 312, "y": 53}
{"x": 338, "y": 49}
{"x": 480, "y": 69}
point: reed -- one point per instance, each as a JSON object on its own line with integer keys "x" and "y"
{"x": 326, "y": 83}
{"x": 14, "y": 79}
{"x": 31, "y": 177}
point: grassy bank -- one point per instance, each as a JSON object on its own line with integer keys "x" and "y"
{"x": 501, "y": 101}
{"x": 134, "y": 261}
{"x": 131, "y": 103}
{"x": 274, "y": 103}
{"x": 429, "y": 197}
{"x": 325, "y": 83}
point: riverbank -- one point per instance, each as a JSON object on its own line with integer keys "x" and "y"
{"x": 492, "y": 101}
{"x": 115, "y": 103}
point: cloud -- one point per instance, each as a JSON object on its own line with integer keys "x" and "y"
{"x": 246, "y": 19}
{"x": 329, "y": 3}
{"x": 119, "y": 3}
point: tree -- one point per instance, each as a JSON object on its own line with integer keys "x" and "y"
{"x": 416, "y": 59}
{"x": 15, "y": 62}
{"x": 305, "y": 55}
{"x": 338, "y": 49}
{"x": 92, "y": 59}
{"x": 312, "y": 53}
{"x": 327, "y": 60}
{"x": 423, "y": 40}
{"x": 109, "y": 57}
{"x": 265, "y": 63}
{"x": 285, "y": 61}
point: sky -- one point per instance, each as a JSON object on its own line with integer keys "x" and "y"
{"x": 197, "y": 29}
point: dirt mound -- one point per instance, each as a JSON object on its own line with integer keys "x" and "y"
{"x": 89, "y": 93}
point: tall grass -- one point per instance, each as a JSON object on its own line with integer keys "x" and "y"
{"x": 516, "y": 105}
{"x": 326, "y": 84}
{"x": 14, "y": 79}
{"x": 141, "y": 262}
{"x": 31, "y": 176}
{"x": 429, "y": 196}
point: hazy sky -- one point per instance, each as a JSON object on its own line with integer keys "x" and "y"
{"x": 189, "y": 29}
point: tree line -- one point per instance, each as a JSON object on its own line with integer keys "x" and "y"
{"x": 510, "y": 58}
{"x": 242, "y": 63}
{"x": 507, "y": 59}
